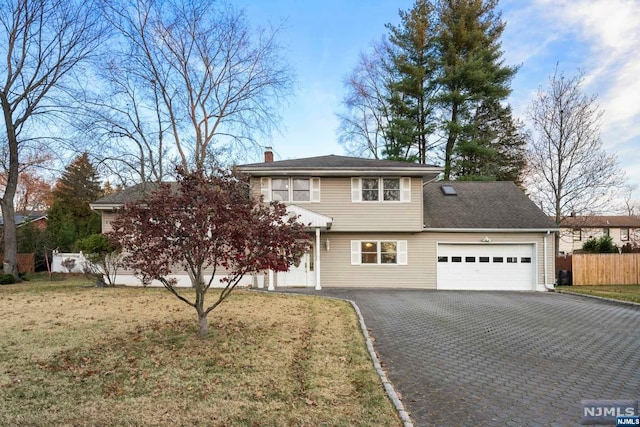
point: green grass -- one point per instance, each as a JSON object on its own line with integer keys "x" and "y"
{"x": 619, "y": 292}
{"x": 73, "y": 354}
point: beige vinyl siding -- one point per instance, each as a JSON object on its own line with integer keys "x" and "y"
{"x": 348, "y": 216}
{"x": 337, "y": 270}
{"x": 107, "y": 217}
{"x": 431, "y": 239}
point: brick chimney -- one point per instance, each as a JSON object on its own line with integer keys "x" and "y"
{"x": 268, "y": 155}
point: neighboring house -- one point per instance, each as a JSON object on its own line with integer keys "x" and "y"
{"x": 576, "y": 230}
{"x": 381, "y": 223}
{"x": 37, "y": 219}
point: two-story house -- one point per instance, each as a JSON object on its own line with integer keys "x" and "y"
{"x": 575, "y": 230}
{"x": 381, "y": 223}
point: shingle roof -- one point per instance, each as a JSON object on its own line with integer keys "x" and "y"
{"x": 482, "y": 205}
{"x": 334, "y": 165}
{"x": 21, "y": 217}
{"x": 130, "y": 194}
{"x": 594, "y": 221}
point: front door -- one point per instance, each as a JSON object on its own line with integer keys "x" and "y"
{"x": 302, "y": 274}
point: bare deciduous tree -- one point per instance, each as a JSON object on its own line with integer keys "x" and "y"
{"x": 42, "y": 42}
{"x": 630, "y": 206}
{"x": 568, "y": 170}
{"x": 192, "y": 79}
{"x": 366, "y": 113}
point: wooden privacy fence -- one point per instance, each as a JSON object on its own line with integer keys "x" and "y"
{"x": 26, "y": 262}
{"x": 606, "y": 269}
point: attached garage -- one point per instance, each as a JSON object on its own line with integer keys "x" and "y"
{"x": 486, "y": 266}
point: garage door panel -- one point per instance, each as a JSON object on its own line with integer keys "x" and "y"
{"x": 485, "y": 267}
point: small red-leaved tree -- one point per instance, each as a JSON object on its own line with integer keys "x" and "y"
{"x": 207, "y": 225}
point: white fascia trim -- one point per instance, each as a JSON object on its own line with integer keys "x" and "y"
{"x": 105, "y": 207}
{"x": 492, "y": 230}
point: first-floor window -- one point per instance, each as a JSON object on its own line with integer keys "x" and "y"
{"x": 388, "y": 252}
{"x": 379, "y": 252}
{"x": 369, "y": 252}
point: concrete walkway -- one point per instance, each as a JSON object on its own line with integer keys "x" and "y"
{"x": 500, "y": 358}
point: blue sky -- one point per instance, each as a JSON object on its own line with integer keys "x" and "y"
{"x": 323, "y": 39}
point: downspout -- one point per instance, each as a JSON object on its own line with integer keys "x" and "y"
{"x": 546, "y": 272}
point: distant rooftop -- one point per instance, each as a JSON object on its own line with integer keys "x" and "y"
{"x": 599, "y": 221}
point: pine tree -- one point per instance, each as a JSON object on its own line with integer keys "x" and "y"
{"x": 495, "y": 150}
{"x": 471, "y": 66}
{"x": 411, "y": 88}
{"x": 70, "y": 217}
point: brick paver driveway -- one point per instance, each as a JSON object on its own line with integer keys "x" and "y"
{"x": 501, "y": 358}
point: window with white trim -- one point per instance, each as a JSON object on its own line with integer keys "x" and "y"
{"x": 370, "y": 189}
{"x": 379, "y": 252}
{"x": 624, "y": 234}
{"x": 391, "y": 189}
{"x": 381, "y": 189}
{"x": 280, "y": 189}
{"x": 290, "y": 189}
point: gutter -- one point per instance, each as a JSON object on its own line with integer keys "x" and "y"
{"x": 491, "y": 230}
{"x": 339, "y": 172}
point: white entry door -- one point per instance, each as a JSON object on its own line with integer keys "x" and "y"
{"x": 302, "y": 274}
{"x": 486, "y": 266}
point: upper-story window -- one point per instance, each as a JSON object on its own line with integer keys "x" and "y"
{"x": 290, "y": 189}
{"x": 624, "y": 234}
{"x": 280, "y": 189}
{"x": 381, "y": 189}
{"x": 577, "y": 234}
{"x": 300, "y": 190}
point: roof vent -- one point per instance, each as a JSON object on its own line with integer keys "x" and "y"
{"x": 448, "y": 190}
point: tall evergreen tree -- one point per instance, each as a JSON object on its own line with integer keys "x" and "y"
{"x": 411, "y": 88}
{"x": 471, "y": 67}
{"x": 444, "y": 93}
{"x": 495, "y": 150}
{"x": 70, "y": 217}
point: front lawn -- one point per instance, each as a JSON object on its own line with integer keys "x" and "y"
{"x": 619, "y": 292}
{"x": 72, "y": 354}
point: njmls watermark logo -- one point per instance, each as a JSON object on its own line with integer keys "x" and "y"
{"x": 608, "y": 411}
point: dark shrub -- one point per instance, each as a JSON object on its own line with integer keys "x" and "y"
{"x": 7, "y": 279}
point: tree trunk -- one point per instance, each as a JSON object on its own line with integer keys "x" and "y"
{"x": 451, "y": 141}
{"x": 203, "y": 325}
{"x": 10, "y": 263}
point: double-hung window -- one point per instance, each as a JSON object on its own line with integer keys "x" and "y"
{"x": 378, "y": 252}
{"x": 624, "y": 234}
{"x": 290, "y": 189}
{"x": 381, "y": 189}
{"x": 280, "y": 189}
{"x": 370, "y": 189}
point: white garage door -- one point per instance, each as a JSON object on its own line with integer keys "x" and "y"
{"x": 486, "y": 267}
